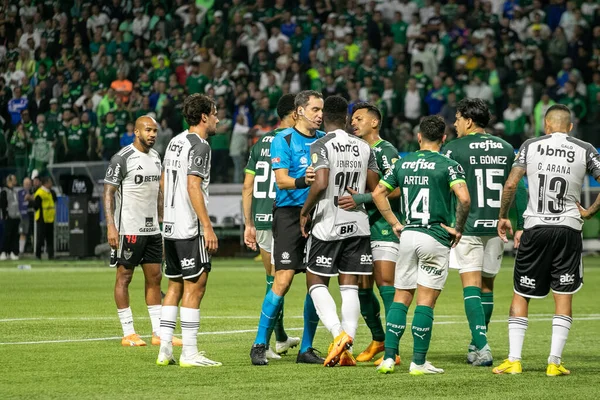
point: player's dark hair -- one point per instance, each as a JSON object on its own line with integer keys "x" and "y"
{"x": 304, "y": 96}
{"x": 557, "y": 107}
{"x": 45, "y": 180}
{"x": 285, "y": 105}
{"x": 371, "y": 109}
{"x": 335, "y": 110}
{"x": 194, "y": 106}
{"x": 432, "y": 128}
{"x": 475, "y": 109}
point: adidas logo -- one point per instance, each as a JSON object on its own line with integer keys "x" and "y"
{"x": 139, "y": 168}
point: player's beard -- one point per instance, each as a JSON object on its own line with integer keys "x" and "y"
{"x": 147, "y": 144}
{"x": 211, "y": 132}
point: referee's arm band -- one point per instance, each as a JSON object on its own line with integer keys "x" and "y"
{"x": 300, "y": 183}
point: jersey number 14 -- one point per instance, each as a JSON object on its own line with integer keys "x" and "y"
{"x": 421, "y": 201}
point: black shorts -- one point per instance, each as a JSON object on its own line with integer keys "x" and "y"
{"x": 288, "y": 242}
{"x": 350, "y": 256}
{"x": 186, "y": 258}
{"x": 137, "y": 250}
{"x": 548, "y": 258}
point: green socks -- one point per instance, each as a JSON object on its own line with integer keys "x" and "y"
{"x": 475, "y": 316}
{"x": 280, "y": 334}
{"x": 421, "y": 331}
{"x": 387, "y": 295}
{"x": 487, "y": 301}
{"x": 394, "y": 329}
{"x": 370, "y": 310}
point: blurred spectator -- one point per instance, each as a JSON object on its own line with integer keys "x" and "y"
{"x": 219, "y": 145}
{"x": 128, "y": 136}
{"x": 239, "y": 147}
{"x": 9, "y": 206}
{"x": 25, "y": 196}
{"x": 45, "y": 211}
{"x": 514, "y": 124}
{"x": 539, "y": 112}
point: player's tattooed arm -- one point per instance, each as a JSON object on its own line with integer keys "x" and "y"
{"x": 380, "y": 198}
{"x": 109, "y": 215}
{"x": 509, "y": 190}
{"x": 463, "y": 205}
{"x": 160, "y": 200}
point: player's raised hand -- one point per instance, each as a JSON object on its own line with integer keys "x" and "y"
{"x": 585, "y": 214}
{"x": 250, "y": 237}
{"x": 517, "y": 239}
{"x": 210, "y": 240}
{"x": 455, "y": 235}
{"x": 113, "y": 236}
{"x": 504, "y": 226}
{"x": 347, "y": 202}
{"x": 309, "y": 178}
{"x": 304, "y": 220}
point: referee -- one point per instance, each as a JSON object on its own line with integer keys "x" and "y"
{"x": 290, "y": 160}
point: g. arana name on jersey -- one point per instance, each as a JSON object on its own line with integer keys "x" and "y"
{"x": 565, "y": 152}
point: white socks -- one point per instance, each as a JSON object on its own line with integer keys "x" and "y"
{"x": 350, "y": 309}
{"x": 126, "y": 318}
{"x": 561, "y": 324}
{"x": 516, "y": 335}
{"x": 190, "y": 324}
{"x": 168, "y": 320}
{"x": 326, "y": 309}
{"x": 21, "y": 246}
{"x": 154, "y": 312}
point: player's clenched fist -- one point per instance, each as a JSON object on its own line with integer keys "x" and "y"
{"x": 113, "y": 237}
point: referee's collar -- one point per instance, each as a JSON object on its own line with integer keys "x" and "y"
{"x": 306, "y": 136}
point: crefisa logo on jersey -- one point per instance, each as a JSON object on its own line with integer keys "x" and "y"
{"x": 485, "y": 146}
{"x": 562, "y": 152}
{"x": 417, "y": 165}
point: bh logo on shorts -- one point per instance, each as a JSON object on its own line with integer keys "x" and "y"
{"x": 285, "y": 258}
{"x": 324, "y": 262}
{"x": 527, "y": 282}
{"x": 188, "y": 263}
{"x": 366, "y": 259}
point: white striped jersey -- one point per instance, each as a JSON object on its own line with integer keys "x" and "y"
{"x": 187, "y": 154}
{"x": 556, "y": 166}
{"x": 137, "y": 176}
{"x": 348, "y": 158}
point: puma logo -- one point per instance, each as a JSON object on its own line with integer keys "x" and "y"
{"x": 483, "y": 334}
{"x": 421, "y": 336}
{"x": 397, "y": 333}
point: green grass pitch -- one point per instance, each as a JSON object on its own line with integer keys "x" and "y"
{"x": 60, "y": 338}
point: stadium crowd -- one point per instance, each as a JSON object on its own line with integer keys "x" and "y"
{"x": 74, "y": 75}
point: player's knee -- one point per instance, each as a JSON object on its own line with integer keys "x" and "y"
{"x": 154, "y": 278}
{"x": 124, "y": 277}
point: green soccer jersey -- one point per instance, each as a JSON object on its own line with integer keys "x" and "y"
{"x": 487, "y": 161}
{"x": 425, "y": 179}
{"x": 263, "y": 194}
{"x": 110, "y": 135}
{"x": 385, "y": 155}
{"x": 122, "y": 117}
{"x": 76, "y": 139}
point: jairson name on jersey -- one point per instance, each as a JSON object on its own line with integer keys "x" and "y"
{"x": 355, "y": 164}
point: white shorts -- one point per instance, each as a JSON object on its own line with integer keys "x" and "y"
{"x": 478, "y": 254}
{"x": 384, "y": 251}
{"x": 264, "y": 239}
{"x": 422, "y": 260}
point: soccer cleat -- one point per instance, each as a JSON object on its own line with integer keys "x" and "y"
{"x": 342, "y": 342}
{"x": 133, "y": 340}
{"x": 165, "y": 357}
{"x": 386, "y": 366}
{"x": 14, "y": 257}
{"x": 3, "y": 257}
{"x": 258, "y": 354}
{"x": 310, "y": 356}
{"x": 290, "y": 343}
{"x": 556, "y": 370}
{"x": 509, "y": 367}
{"x": 175, "y": 341}
{"x": 483, "y": 357}
{"x": 471, "y": 354}
{"x": 347, "y": 359}
{"x": 380, "y": 360}
{"x": 425, "y": 369}
{"x": 199, "y": 360}
{"x": 371, "y": 351}
{"x": 272, "y": 355}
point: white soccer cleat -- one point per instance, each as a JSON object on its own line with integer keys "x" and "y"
{"x": 14, "y": 257}
{"x": 199, "y": 360}
{"x": 425, "y": 369}
{"x": 483, "y": 357}
{"x": 290, "y": 343}
{"x": 3, "y": 257}
{"x": 272, "y": 355}
{"x": 386, "y": 366}
{"x": 471, "y": 354}
{"x": 165, "y": 357}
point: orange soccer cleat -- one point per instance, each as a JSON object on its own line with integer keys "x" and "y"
{"x": 133, "y": 340}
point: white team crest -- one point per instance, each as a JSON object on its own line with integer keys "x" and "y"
{"x": 198, "y": 161}
{"x": 109, "y": 172}
{"x": 285, "y": 255}
{"x": 127, "y": 254}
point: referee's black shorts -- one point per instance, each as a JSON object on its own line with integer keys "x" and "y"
{"x": 288, "y": 242}
{"x": 549, "y": 258}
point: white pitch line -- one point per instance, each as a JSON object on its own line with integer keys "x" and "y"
{"x": 595, "y": 318}
{"x": 108, "y": 318}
